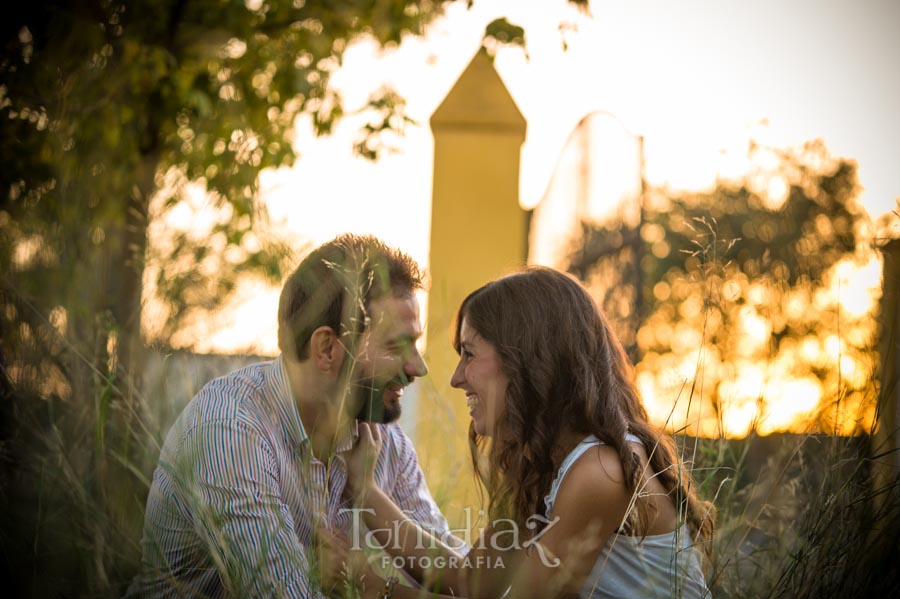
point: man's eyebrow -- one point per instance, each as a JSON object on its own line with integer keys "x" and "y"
{"x": 405, "y": 338}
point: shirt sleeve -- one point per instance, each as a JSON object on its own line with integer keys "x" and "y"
{"x": 410, "y": 490}
{"x": 230, "y": 475}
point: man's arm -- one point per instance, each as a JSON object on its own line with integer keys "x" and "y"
{"x": 395, "y": 513}
{"x": 410, "y": 490}
{"x": 229, "y": 475}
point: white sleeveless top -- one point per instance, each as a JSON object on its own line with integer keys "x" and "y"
{"x": 663, "y": 566}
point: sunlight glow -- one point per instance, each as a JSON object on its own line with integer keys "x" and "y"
{"x": 738, "y": 418}
{"x": 772, "y": 388}
{"x": 255, "y": 305}
{"x": 747, "y": 387}
{"x": 754, "y": 331}
{"x": 697, "y": 137}
{"x": 788, "y": 403}
{"x": 27, "y": 251}
{"x": 59, "y": 318}
{"x": 857, "y": 287}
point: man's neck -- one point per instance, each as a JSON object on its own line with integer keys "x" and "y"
{"x": 319, "y": 411}
{"x": 324, "y": 426}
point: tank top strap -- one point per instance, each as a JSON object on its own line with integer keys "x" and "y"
{"x": 583, "y": 446}
{"x": 632, "y": 438}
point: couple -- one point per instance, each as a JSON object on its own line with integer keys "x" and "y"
{"x": 264, "y": 472}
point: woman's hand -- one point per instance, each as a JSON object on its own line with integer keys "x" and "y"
{"x": 333, "y": 549}
{"x": 339, "y": 563}
{"x": 360, "y": 462}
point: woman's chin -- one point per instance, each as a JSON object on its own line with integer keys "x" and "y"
{"x": 480, "y": 429}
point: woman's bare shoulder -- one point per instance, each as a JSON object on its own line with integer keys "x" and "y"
{"x": 594, "y": 487}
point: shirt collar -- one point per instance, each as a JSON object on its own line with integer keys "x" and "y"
{"x": 285, "y": 402}
{"x": 290, "y": 415}
{"x": 348, "y": 440}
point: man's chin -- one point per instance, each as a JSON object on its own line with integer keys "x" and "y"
{"x": 389, "y": 410}
{"x": 392, "y": 411}
{"x": 392, "y": 402}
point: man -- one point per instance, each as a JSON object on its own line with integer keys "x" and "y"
{"x": 251, "y": 475}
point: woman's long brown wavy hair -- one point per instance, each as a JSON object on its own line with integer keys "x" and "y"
{"x": 567, "y": 373}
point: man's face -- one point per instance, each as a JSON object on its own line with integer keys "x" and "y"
{"x": 387, "y": 359}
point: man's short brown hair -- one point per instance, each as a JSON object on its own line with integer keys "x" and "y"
{"x": 334, "y": 285}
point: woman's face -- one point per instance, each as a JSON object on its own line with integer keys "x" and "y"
{"x": 480, "y": 375}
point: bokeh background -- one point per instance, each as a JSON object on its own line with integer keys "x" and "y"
{"x": 721, "y": 176}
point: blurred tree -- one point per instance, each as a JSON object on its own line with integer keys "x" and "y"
{"x": 749, "y": 274}
{"x": 108, "y": 110}
{"x": 105, "y": 104}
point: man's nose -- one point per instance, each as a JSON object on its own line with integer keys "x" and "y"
{"x": 415, "y": 365}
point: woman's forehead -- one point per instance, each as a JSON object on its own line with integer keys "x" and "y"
{"x": 468, "y": 333}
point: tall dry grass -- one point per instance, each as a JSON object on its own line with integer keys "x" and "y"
{"x": 798, "y": 515}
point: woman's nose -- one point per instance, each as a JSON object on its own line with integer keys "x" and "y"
{"x": 458, "y": 378}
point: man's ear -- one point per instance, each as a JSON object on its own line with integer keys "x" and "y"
{"x": 325, "y": 350}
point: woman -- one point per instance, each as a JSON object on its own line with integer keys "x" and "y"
{"x": 586, "y": 498}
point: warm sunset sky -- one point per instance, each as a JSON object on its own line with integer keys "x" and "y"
{"x": 697, "y": 79}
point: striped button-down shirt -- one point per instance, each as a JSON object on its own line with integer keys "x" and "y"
{"x": 237, "y": 495}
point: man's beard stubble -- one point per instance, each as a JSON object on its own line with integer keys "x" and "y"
{"x": 366, "y": 396}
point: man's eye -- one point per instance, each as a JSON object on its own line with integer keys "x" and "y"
{"x": 398, "y": 347}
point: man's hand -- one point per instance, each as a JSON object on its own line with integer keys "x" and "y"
{"x": 361, "y": 462}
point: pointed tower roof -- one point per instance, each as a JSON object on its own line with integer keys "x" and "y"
{"x": 479, "y": 100}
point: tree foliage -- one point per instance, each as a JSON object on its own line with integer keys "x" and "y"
{"x": 105, "y": 104}
{"x": 741, "y": 314}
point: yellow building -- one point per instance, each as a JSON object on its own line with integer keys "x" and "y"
{"x": 478, "y": 232}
